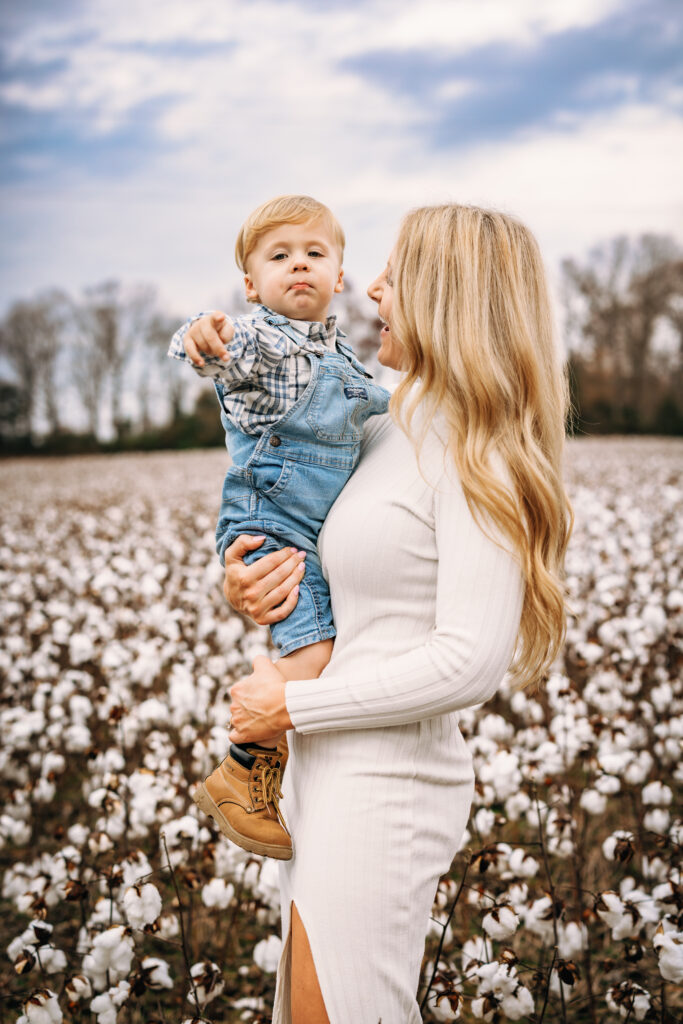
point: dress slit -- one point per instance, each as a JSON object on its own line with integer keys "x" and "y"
{"x": 282, "y": 1010}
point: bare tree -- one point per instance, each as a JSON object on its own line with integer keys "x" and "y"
{"x": 116, "y": 321}
{"x": 615, "y": 302}
{"x": 31, "y": 338}
{"x": 168, "y": 373}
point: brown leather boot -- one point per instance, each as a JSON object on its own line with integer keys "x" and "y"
{"x": 242, "y": 796}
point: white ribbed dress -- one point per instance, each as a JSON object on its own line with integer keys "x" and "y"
{"x": 379, "y": 784}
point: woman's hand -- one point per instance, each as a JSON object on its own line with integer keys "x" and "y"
{"x": 268, "y": 589}
{"x": 258, "y": 709}
{"x": 209, "y": 334}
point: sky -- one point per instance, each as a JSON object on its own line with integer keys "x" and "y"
{"x": 136, "y": 137}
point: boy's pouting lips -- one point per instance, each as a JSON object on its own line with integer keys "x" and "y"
{"x": 295, "y": 269}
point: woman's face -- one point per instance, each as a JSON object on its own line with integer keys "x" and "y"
{"x": 381, "y": 291}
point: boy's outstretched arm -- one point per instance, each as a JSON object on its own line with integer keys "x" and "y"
{"x": 209, "y": 335}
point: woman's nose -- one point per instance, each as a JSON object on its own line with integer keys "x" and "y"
{"x": 375, "y": 289}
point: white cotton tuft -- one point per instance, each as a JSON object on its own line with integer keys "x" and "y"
{"x": 267, "y": 953}
{"x": 141, "y": 904}
{"x": 500, "y": 923}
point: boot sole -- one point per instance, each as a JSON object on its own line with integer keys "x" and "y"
{"x": 204, "y": 802}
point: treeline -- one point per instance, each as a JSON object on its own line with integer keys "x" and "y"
{"x": 91, "y": 373}
{"x": 624, "y": 331}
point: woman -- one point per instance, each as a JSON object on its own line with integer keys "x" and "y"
{"x": 444, "y": 555}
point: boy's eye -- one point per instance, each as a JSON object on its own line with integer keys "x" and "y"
{"x": 280, "y": 256}
{"x": 315, "y": 252}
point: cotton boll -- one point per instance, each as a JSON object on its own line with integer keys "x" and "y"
{"x": 474, "y": 952}
{"x": 43, "y": 1008}
{"x": 657, "y": 793}
{"x": 639, "y": 768}
{"x": 518, "y": 1004}
{"x": 517, "y": 805}
{"x": 218, "y": 893}
{"x": 52, "y": 960}
{"x": 629, "y": 1000}
{"x": 539, "y": 919}
{"x": 482, "y": 1008}
{"x": 500, "y": 923}
{"x": 593, "y": 802}
{"x": 157, "y": 973}
{"x": 657, "y": 820}
{"x": 81, "y": 649}
{"x": 208, "y": 982}
{"x": 521, "y": 864}
{"x": 169, "y": 926}
{"x": 669, "y": 949}
{"x": 267, "y": 953}
{"x": 112, "y": 953}
{"x": 503, "y": 773}
{"x": 607, "y": 784}
{"x": 78, "y": 987}
{"x": 441, "y": 1005}
{"x": 484, "y": 821}
{"x": 105, "y": 1006}
{"x": 618, "y": 846}
{"x": 142, "y": 904}
{"x": 573, "y": 939}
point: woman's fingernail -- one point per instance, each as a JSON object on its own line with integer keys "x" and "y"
{"x": 301, "y": 554}
{"x": 295, "y": 591}
{"x": 301, "y": 567}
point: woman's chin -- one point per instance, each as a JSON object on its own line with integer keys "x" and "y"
{"x": 388, "y": 356}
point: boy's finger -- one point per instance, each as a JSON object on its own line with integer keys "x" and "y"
{"x": 218, "y": 319}
{"x": 212, "y": 343}
{"x": 192, "y": 351}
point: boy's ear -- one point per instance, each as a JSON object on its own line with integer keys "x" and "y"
{"x": 339, "y": 286}
{"x": 250, "y": 290}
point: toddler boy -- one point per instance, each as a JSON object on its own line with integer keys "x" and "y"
{"x": 293, "y": 400}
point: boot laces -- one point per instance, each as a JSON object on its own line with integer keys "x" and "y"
{"x": 269, "y": 778}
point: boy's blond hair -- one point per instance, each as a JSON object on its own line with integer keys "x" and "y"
{"x": 283, "y": 210}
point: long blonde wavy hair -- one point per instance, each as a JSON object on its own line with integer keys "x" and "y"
{"x": 472, "y": 314}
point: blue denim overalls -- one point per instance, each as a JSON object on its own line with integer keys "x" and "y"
{"x": 284, "y": 482}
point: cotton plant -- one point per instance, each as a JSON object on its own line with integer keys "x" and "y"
{"x": 119, "y": 674}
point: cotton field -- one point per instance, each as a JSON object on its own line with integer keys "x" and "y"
{"x": 565, "y": 903}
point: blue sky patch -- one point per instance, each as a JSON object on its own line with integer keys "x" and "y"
{"x": 634, "y": 56}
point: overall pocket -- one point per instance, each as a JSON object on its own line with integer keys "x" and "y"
{"x": 303, "y": 495}
{"x": 338, "y": 407}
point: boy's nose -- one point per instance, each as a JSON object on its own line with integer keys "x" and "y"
{"x": 301, "y": 263}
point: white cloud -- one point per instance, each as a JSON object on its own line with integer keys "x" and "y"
{"x": 273, "y": 112}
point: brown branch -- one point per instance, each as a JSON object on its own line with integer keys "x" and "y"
{"x": 182, "y": 927}
{"x": 443, "y": 933}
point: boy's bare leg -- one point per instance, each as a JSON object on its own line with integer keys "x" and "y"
{"x": 306, "y": 663}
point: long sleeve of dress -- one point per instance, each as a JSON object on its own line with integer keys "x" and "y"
{"x": 477, "y": 598}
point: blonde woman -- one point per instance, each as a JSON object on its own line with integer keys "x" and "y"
{"x": 444, "y": 554}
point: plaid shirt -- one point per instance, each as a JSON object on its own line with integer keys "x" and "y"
{"x": 266, "y": 372}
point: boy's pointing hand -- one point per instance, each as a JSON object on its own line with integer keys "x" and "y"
{"x": 208, "y": 335}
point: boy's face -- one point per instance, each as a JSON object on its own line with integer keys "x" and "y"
{"x": 295, "y": 269}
